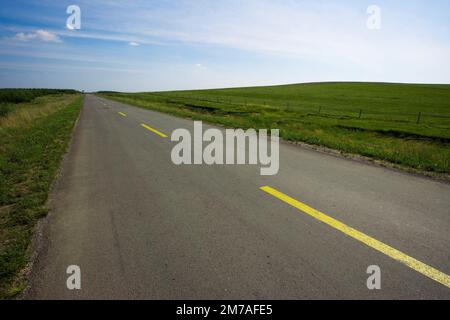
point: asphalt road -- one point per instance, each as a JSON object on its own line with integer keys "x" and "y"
{"x": 141, "y": 227}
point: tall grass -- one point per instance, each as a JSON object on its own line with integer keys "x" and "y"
{"x": 4, "y": 109}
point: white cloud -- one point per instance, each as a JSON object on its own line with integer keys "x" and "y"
{"x": 40, "y": 34}
{"x": 47, "y": 36}
{"x": 21, "y": 36}
{"x": 132, "y": 39}
{"x": 200, "y": 66}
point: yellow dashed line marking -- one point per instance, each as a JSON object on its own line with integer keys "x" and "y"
{"x": 154, "y": 131}
{"x": 122, "y": 114}
{"x": 414, "y": 264}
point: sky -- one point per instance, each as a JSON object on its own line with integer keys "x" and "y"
{"x": 190, "y": 44}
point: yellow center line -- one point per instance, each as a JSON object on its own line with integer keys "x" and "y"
{"x": 414, "y": 264}
{"x": 154, "y": 131}
{"x": 122, "y": 114}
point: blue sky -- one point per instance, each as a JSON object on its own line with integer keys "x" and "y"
{"x": 182, "y": 44}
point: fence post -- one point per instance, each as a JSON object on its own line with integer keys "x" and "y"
{"x": 418, "y": 117}
{"x": 360, "y": 113}
{"x": 320, "y": 109}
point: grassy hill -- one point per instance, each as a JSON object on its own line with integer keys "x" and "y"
{"x": 406, "y": 124}
{"x": 388, "y": 97}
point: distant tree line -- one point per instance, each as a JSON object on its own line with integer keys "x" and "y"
{"x": 107, "y": 92}
{"x": 26, "y": 95}
{"x": 8, "y": 97}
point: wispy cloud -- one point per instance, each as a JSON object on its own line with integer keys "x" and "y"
{"x": 133, "y": 44}
{"x": 42, "y": 35}
{"x": 200, "y": 66}
{"x": 313, "y": 31}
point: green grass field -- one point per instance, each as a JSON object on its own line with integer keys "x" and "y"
{"x": 33, "y": 139}
{"x": 405, "y": 124}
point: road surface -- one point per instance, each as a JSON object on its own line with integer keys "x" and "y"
{"x": 139, "y": 226}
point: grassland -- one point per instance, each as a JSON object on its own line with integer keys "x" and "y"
{"x": 405, "y": 124}
{"x": 10, "y": 97}
{"x": 33, "y": 138}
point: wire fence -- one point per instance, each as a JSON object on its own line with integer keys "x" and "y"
{"x": 317, "y": 110}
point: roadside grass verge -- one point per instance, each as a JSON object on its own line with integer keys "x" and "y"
{"x": 329, "y": 115}
{"x": 33, "y": 140}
